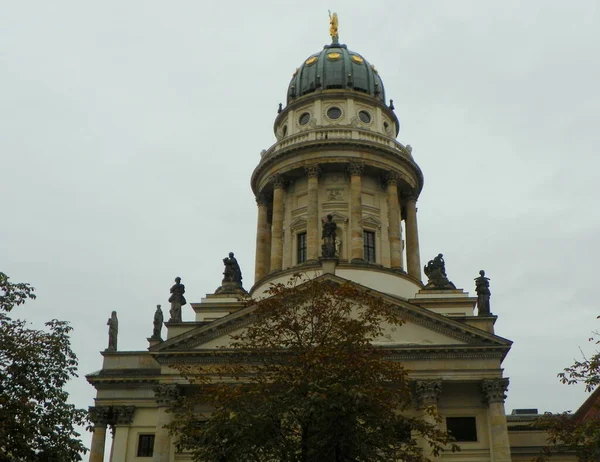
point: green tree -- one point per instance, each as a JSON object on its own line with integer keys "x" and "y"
{"x": 36, "y": 421}
{"x": 304, "y": 382}
{"x": 580, "y": 432}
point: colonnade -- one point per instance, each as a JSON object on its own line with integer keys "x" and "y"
{"x": 270, "y": 233}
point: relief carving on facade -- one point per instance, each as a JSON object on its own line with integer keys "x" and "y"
{"x": 164, "y": 393}
{"x": 334, "y": 195}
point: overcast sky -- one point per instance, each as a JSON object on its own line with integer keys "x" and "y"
{"x": 130, "y": 130}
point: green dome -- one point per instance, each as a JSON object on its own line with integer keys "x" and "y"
{"x": 336, "y": 67}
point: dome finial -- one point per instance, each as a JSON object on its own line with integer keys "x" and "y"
{"x": 333, "y": 27}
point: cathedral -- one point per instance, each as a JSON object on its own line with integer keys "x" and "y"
{"x": 337, "y": 199}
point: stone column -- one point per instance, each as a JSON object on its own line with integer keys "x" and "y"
{"x": 413, "y": 257}
{"x": 356, "y": 232}
{"x": 312, "y": 213}
{"x": 164, "y": 394}
{"x": 277, "y": 228}
{"x": 494, "y": 391}
{"x": 262, "y": 238}
{"x": 428, "y": 396}
{"x": 123, "y": 418}
{"x": 395, "y": 230}
{"x": 100, "y": 417}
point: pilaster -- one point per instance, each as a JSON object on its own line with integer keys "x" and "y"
{"x": 277, "y": 223}
{"x": 494, "y": 391}
{"x": 312, "y": 212}
{"x": 263, "y": 232}
{"x": 395, "y": 230}
{"x": 413, "y": 257}
{"x": 164, "y": 394}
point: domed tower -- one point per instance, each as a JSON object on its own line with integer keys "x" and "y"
{"x": 336, "y": 156}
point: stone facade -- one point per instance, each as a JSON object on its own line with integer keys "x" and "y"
{"x": 353, "y": 169}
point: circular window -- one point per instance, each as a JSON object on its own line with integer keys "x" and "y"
{"x": 334, "y": 112}
{"x": 304, "y": 118}
{"x": 365, "y": 117}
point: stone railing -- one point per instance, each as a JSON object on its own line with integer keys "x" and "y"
{"x": 337, "y": 134}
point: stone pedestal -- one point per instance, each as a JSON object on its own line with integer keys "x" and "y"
{"x": 494, "y": 392}
{"x": 328, "y": 265}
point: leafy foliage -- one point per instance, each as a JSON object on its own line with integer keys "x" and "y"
{"x": 304, "y": 382}
{"x": 579, "y": 433}
{"x": 37, "y": 422}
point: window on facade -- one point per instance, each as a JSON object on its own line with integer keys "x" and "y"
{"x": 369, "y": 246}
{"x": 301, "y": 248}
{"x": 462, "y": 428}
{"x": 145, "y": 446}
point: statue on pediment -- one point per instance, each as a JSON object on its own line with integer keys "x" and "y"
{"x": 113, "y": 331}
{"x": 482, "y": 287}
{"x": 435, "y": 270}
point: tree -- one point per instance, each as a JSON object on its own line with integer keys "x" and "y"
{"x": 579, "y": 432}
{"x": 304, "y": 382}
{"x": 37, "y": 421}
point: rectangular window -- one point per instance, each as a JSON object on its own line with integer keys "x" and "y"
{"x": 369, "y": 246}
{"x": 462, "y": 428}
{"x": 145, "y": 446}
{"x": 301, "y": 248}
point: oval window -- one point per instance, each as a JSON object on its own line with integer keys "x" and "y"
{"x": 365, "y": 117}
{"x": 304, "y": 118}
{"x": 334, "y": 113}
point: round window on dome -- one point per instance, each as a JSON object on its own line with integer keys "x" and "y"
{"x": 304, "y": 118}
{"x": 365, "y": 117}
{"x": 334, "y": 112}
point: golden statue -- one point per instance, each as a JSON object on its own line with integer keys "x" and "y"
{"x": 333, "y": 26}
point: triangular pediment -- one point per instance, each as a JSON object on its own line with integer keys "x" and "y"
{"x": 422, "y": 329}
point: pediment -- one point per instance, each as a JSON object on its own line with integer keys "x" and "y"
{"x": 422, "y": 329}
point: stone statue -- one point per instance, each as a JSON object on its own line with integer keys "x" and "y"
{"x": 435, "y": 270}
{"x": 158, "y": 322}
{"x": 482, "y": 287}
{"x": 329, "y": 238}
{"x": 113, "y": 331}
{"x": 232, "y": 272}
{"x": 232, "y": 277}
{"x": 177, "y": 300}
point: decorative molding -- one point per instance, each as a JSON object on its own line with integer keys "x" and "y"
{"x": 428, "y": 392}
{"x": 165, "y": 393}
{"x": 298, "y": 224}
{"x": 370, "y": 222}
{"x": 392, "y": 178}
{"x": 495, "y": 390}
{"x": 337, "y": 218}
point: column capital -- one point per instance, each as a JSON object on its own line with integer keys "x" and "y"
{"x": 392, "y": 178}
{"x": 410, "y": 195}
{"x": 261, "y": 199}
{"x": 494, "y": 390}
{"x": 100, "y": 416}
{"x": 165, "y": 393}
{"x": 278, "y": 181}
{"x": 428, "y": 392}
{"x": 313, "y": 170}
{"x": 356, "y": 168}
{"x": 123, "y": 415}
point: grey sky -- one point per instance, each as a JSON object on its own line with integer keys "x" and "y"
{"x": 130, "y": 130}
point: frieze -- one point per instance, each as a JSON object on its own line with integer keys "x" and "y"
{"x": 165, "y": 393}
